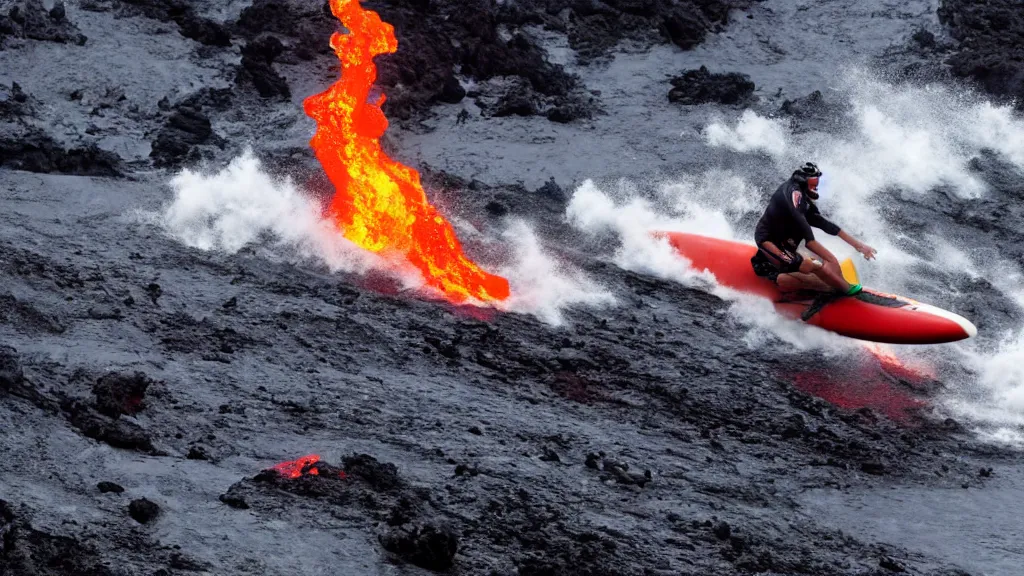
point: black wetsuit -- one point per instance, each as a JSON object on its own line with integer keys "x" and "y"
{"x": 786, "y": 222}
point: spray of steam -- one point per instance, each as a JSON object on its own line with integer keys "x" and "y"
{"x": 242, "y": 205}
{"x": 541, "y": 285}
{"x": 995, "y": 400}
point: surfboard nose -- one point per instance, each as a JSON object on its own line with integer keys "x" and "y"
{"x": 950, "y": 326}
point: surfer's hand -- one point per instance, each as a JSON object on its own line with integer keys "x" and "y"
{"x": 867, "y": 251}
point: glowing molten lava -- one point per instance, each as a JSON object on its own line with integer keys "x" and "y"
{"x": 305, "y": 466}
{"x": 299, "y": 467}
{"x": 379, "y": 203}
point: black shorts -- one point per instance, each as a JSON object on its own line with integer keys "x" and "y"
{"x": 768, "y": 265}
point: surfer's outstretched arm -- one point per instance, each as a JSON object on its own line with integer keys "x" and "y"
{"x": 859, "y": 246}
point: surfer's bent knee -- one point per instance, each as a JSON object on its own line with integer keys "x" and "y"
{"x": 809, "y": 266}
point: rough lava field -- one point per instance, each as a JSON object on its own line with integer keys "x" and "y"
{"x": 200, "y": 375}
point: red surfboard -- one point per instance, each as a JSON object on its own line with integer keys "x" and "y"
{"x": 872, "y": 315}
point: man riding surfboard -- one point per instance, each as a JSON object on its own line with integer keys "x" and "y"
{"x": 787, "y": 221}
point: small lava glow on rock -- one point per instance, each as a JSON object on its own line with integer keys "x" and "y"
{"x": 379, "y": 203}
{"x": 304, "y": 466}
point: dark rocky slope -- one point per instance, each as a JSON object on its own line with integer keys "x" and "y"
{"x": 991, "y": 51}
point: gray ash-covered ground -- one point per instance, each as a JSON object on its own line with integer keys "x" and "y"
{"x": 146, "y": 387}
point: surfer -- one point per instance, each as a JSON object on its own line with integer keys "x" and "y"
{"x": 787, "y": 221}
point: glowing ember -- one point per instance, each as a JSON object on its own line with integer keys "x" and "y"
{"x": 298, "y": 467}
{"x": 379, "y": 203}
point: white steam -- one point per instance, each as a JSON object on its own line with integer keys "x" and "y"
{"x": 753, "y": 133}
{"x": 994, "y": 400}
{"x": 542, "y": 286}
{"x": 242, "y": 205}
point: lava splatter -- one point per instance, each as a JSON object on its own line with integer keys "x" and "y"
{"x": 379, "y": 203}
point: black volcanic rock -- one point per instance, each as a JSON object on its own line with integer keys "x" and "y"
{"x": 701, "y": 87}
{"x": 108, "y": 487}
{"x": 809, "y": 106}
{"x": 203, "y": 30}
{"x": 30, "y": 19}
{"x": 813, "y": 110}
{"x": 288, "y": 19}
{"x": 517, "y": 99}
{"x": 426, "y": 546}
{"x": 143, "y": 510}
{"x": 435, "y": 39}
{"x": 182, "y": 13}
{"x": 187, "y": 127}
{"x": 119, "y": 433}
{"x": 596, "y": 27}
{"x": 309, "y": 23}
{"x": 452, "y": 91}
{"x": 35, "y": 151}
{"x": 379, "y": 475}
{"x": 257, "y": 68}
{"x": 14, "y": 102}
{"x": 11, "y": 374}
{"x": 121, "y": 393}
{"x": 467, "y": 39}
{"x": 209, "y": 99}
{"x": 25, "y": 550}
{"x": 991, "y": 36}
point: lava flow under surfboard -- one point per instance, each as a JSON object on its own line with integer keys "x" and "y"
{"x": 871, "y": 315}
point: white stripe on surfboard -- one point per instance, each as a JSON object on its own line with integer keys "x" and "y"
{"x": 964, "y": 323}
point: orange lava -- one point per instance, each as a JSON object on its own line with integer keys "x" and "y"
{"x": 379, "y": 203}
{"x": 298, "y": 467}
{"x": 305, "y": 466}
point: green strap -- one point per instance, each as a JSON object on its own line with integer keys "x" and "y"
{"x": 856, "y": 288}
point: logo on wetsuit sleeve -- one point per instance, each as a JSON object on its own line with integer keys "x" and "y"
{"x": 797, "y": 197}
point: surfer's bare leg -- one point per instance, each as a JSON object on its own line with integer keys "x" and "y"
{"x": 797, "y": 272}
{"x": 795, "y": 281}
{"x": 826, "y": 275}
{"x": 828, "y": 269}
